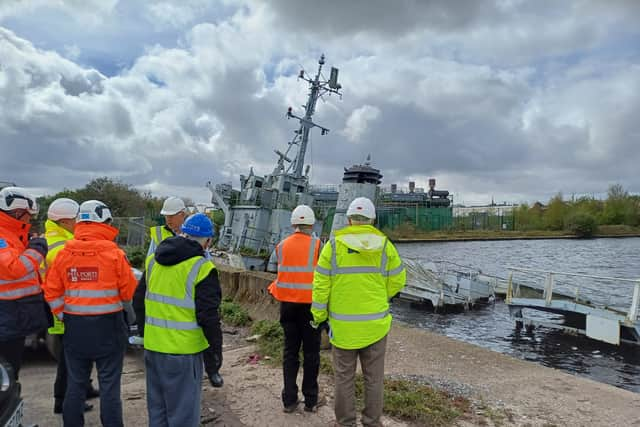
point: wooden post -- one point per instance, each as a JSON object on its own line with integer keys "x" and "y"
{"x": 632, "y": 316}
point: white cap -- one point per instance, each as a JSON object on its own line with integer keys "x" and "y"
{"x": 172, "y": 206}
{"x": 63, "y": 208}
{"x": 303, "y": 215}
{"x": 362, "y": 206}
{"x": 94, "y": 211}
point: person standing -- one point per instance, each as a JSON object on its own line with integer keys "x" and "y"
{"x": 61, "y": 221}
{"x": 22, "y": 308}
{"x": 296, "y": 257}
{"x": 356, "y": 276}
{"x": 88, "y": 286}
{"x": 181, "y": 305}
{"x": 174, "y": 212}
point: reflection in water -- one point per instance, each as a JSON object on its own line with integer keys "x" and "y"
{"x": 491, "y": 326}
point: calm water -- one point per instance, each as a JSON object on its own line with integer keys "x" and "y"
{"x": 492, "y": 327}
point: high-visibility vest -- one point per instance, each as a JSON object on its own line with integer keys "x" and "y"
{"x": 19, "y": 266}
{"x": 157, "y": 234}
{"x": 297, "y": 257}
{"x": 170, "y": 324}
{"x": 352, "y": 286}
{"x": 91, "y": 274}
{"x": 56, "y": 238}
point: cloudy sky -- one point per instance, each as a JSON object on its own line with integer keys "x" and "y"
{"x": 511, "y": 99}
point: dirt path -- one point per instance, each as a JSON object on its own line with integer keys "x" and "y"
{"x": 505, "y": 391}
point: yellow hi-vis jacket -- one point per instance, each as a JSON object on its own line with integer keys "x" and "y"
{"x": 56, "y": 238}
{"x": 356, "y": 276}
{"x": 171, "y": 325}
{"x": 157, "y": 234}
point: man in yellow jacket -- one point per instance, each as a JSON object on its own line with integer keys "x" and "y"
{"x": 61, "y": 221}
{"x": 357, "y": 274}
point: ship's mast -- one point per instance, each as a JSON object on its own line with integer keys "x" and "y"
{"x": 318, "y": 87}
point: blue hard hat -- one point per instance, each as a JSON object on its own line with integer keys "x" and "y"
{"x": 198, "y": 225}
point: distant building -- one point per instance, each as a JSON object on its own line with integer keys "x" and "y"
{"x": 491, "y": 209}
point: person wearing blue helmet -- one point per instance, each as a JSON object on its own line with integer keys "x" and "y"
{"x": 181, "y": 324}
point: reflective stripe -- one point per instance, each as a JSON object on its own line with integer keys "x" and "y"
{"x": 183, "y": 303}
{"x": 318, "y": 306}
{"x": 356, "y": 270}
{"x": 303, "y": 286}
{"x": 279, "y": 252}
{"x": 58, "y": 302}
{"x": 97, "y": 309}
{"x": 188, "y": 300}
{"x": 323, "y": 270}
{"x": 35, "y": 254}
{"x": 149, "y": 268}
{"x": 27, "y": 262}
{"x": 22, "y": 292}
{"x": 383, "y": 261}
{"x": 57, "y": 244}
{"x": 29, "y": 276}
{"x": 159, "y": 234}
{"x": 395, "y": 271}
{"x": 312, "y": 252}
{"x": 286, "y": 269}
{"x": 359, "y": 317}
{"x": 334, "y": 262}
{"x": 170, "y": 324}
{"x": 92, "y": 293}
{"x": 152, "y": 248}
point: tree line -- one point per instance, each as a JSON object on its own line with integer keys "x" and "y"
{"x": 582, "y": 215}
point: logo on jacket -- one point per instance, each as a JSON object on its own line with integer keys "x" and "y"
{"x": 3, "y": 244}
{"x": 82, "y": 274}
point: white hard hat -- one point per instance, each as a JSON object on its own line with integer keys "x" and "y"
{"x": 172, "y": 206}
{"x": 14, "y": 198}
{"x": 63, "y": 208}
{"x": 94, "y": 211}
{"x": 302, "y": 215}
{"x": 362, "y": 206}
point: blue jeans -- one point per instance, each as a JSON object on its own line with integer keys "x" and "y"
{"x": 174, "y": 387}
{"x": 88, "y": 339}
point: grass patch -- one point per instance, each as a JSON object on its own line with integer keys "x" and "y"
{"x": 271, "y": 341}
{"x": 233, "y": 313}
{"x": 326, "y": 363}
{"x": 418, "y": 403}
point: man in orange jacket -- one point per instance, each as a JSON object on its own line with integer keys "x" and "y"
{"x": 296, "y": 257}
{"x": 22, "y": 308}
{"x": 87, "y": 287}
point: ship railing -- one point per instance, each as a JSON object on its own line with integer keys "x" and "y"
{"x": 551, "y": 281}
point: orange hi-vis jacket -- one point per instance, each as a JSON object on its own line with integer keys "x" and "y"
{"x": 297, "y": 258}
{"x": 19, "y": 266}
{"x": 91, "y": 274}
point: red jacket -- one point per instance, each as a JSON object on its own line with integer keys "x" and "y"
{"x": 91, "y": 274}
{"x": 19, "y": 266}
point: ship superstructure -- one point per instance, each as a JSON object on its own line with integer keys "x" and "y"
{"x": 257, "y": 216}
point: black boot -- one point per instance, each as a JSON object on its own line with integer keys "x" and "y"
{"x": 57, "y": 406}
{"x": 216, "y": 380}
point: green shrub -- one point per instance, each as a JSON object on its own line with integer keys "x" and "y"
{"x": 581, "y": 224}
{"x": 234, "y": 314}
{"x": 136, "y": 256}
{"x": 271, "y": 341}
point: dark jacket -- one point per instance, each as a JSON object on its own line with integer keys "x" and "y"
{"x": 175, "y": 250}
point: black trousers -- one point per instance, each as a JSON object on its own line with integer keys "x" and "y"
{"x": 295, "y": 319}
{"x": 60, "y": 384}
{"x": 11, "y": 351}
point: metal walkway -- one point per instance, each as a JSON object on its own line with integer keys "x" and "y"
{"x": 598, "y": 321}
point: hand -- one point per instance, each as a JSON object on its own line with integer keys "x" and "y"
{"x": 39, "y": 245}
{"x": 313, "y": 324}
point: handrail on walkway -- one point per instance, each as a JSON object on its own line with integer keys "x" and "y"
{"x": 632, "y": 313}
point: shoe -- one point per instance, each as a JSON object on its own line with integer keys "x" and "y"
{"x": 57, "y": 407}
{"x": 216, "y": 380}
{"x": 313, "y": 408}
{"x": 290, "y": 408}
{"x": 92, "y": 392}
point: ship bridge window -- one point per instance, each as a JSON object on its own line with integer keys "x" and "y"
{"x": 286, "y": 187}
{"x": 300, "y": 189}
{"x": 258, "y": 184}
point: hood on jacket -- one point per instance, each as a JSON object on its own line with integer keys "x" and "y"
{"x": 361, "y": 238}
{"x": 174, "y": 250}
{"x": 19, "y": 228}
